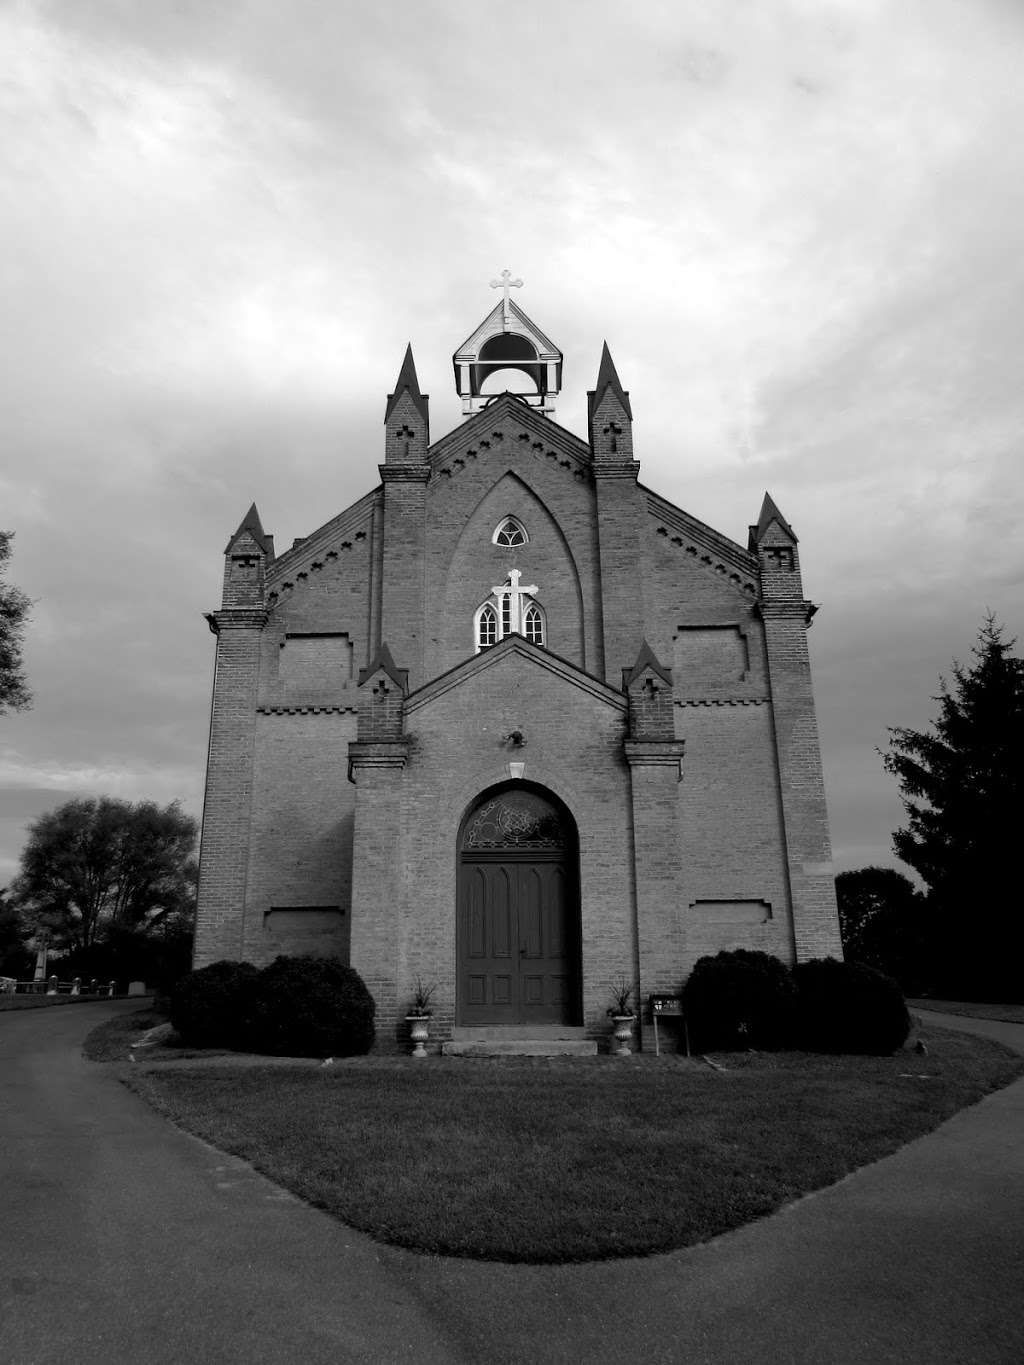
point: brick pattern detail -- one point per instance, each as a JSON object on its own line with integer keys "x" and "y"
{"x": 621, "y": 521}
{"x": 380, "y": 708}
{"x": 786, "y": 616}
{"x": 654, "y": 772}
{"x": 224, "y": 850}
{"x": 403, "y": 551}
{"x": 611, "y": 430}
{"x": 650, "y": 707}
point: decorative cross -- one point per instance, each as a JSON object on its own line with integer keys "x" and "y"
{"x": 614, "y": 430}
{"x": 515, "y": 594}
{"x": 506, "y": 282}
{"x": 407, "y": 433}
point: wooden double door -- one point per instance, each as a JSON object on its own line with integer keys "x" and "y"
{"x": 518, "y": 938}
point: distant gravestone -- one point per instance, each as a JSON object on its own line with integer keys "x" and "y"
{"x": 136, "y": 988}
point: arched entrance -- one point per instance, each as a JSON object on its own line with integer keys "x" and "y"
{"x": 518, "y": 926}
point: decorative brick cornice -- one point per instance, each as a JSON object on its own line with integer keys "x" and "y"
{"x": 662, "y": 753}
{"x": 794, "y": 609}
{"x": 236, "y": 618}
{"x": 619, "y": 469}
{"x": 308, "y": 710}
{"x": 721, "y": 701}
{"x": 364, "y": 754}
{"x": 404, "y": 473}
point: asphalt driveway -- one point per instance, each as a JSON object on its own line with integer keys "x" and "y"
{"x": 123, "y": 1239}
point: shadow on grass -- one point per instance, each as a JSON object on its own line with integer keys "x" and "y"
{"x": 570, "y": 1160}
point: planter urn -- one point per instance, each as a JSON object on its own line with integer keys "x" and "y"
{"x": 419, "y": 1032}
{"x": 622, "y": 1033}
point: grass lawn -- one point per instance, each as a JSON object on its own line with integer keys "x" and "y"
{"x": 527, "y": 1160}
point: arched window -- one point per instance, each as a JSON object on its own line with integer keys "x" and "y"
{"x": 533, "y": 625}
{"x": 510, "y": 532}
{"x": 486, "y": 627}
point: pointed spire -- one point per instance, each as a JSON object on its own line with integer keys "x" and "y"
{"x": 770, "y": 513}
{"x": 607, "y": 378}
{"x": 646, "y": 659}
{"x": 251, "y": 523}
{"x": 407, "y": 383}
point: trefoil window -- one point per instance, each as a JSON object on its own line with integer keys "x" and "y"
{"x": 510, "y": 532}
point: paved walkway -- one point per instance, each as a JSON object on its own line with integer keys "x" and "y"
{"x": 124, "y": 1239}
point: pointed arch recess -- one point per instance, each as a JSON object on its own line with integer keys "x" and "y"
{"x": 477, "y": 564}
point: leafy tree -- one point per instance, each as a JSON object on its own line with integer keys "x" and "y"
{"x": 963, "y": 790}
{"x": 97, "y": 867}
{"x": 882, "y": 921}
{"x": 15, "y": 957}
{"x": 14, "y": 609}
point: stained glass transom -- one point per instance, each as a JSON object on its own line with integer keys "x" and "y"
{"x": 510, "y": 532}
{"x": 515, "y": 819}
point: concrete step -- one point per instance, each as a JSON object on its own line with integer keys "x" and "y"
{"x": 519, "y": 1047}
{"x": 477, "y": 1033}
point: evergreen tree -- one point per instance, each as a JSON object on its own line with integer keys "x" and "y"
{"x": 14, "y": 609}
{"x": 963, "y": 790}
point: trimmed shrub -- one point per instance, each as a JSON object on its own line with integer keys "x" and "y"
{"x": 212, "y": 1007}
{"x": 849, "y": 1007}
{"x": 312, "y": 1007}
{"x": 740, "y": 999}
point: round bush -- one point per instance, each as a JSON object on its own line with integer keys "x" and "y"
{"x": 740, "y": 999}
{"x": 849, "y": 1007}
{"x": 312, "y": 1007}
{"x": 212, "y": 1007}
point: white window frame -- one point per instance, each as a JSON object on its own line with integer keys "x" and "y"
{"x": 502, "y": 621}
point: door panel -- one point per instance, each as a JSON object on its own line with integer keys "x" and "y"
{"x": 514, "y": 927}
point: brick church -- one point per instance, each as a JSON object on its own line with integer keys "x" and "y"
{"x": 512, "y": 723}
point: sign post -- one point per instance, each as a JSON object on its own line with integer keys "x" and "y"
{"x": 668, "y": 1007}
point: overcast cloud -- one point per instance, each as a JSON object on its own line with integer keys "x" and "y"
{"x": 797, "y": 224}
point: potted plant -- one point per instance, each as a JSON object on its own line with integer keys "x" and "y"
{"x": 419, "y": 1016}
{"x": 622, "y": 1015}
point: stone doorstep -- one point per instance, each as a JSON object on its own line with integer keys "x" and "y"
{"x": 519, "y": 1040}
{"x": 520, "y": 1047}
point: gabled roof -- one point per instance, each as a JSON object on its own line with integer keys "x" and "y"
{"x": 607, "y": 378}
{"x": 515, "y": 645}
{"x": 494, "y": 323}
{"x": 251, "y": 523}
{"x": 407, "y": 383}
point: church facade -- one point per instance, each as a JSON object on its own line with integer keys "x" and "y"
{"x": 513, "y": 725}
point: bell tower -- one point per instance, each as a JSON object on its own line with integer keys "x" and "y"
{"x": 507, "y": 340}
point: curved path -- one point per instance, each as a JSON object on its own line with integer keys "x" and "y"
{"x": 124, "y": 1239}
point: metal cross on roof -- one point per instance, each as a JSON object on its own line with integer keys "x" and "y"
{"x": 506, "y": 282}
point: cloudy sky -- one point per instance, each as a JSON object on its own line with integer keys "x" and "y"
{"x": 797, "y": 222}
